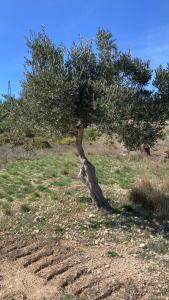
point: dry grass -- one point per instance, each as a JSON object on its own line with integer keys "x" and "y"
{"x": 154, "y": 200}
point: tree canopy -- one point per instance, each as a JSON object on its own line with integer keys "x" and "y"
{"x": 92, "y": 82}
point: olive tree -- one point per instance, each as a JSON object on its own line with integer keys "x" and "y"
{"x": 139, "y": 120}
{"x": 92, "y": 82}
{"x": 137, "y": 114}
{"x": 161, "y": 83}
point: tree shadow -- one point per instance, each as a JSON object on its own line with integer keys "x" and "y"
{"x": 129, "y": 216}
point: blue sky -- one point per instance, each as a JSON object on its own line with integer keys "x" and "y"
{"x": 141, "y": 25}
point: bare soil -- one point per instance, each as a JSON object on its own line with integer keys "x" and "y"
{"x": 40, "y": 269}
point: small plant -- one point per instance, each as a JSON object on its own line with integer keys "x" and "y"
{"x": 127, "y": 207}
{"x": 112, "y": 253}
{"x": 159, "y": 247}
{"x": 8, "y": 211}
{"x": 25, "y": 208}
{"x": 165, "y": 291}
{"x": 58, "y": 229}
{"x": 36, "y": 195}
{"x": 66, "y": 296}
{"x": 42, "y": 188}
{"x": 6, "y": 207}
{"x": 64, "y": 172}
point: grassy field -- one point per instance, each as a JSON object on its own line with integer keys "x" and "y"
{"x": 45, "y": 193}
{"x": 43, "y": 197}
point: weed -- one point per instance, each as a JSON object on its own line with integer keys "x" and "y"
{"x": 151, "y": 199}
{"x": 67, "y": 140}
{"x": 66, "y": 296}
{"x": 159, "y": 247}
{"x": 112, "y": 253}
{"x": 42, "y": 188}
{"x": 60, "y": 183}
{"x": 58, "y": 229}
{"x": 6, "y": 207}
{"x": 127, "y": 207}
{"x": 64, "y": 172}
{"x": 25, "y": 207}
{"x": 36, "y": 194}
{"x": 165, "y": 291}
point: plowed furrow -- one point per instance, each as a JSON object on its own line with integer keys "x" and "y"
{"x": 14, "y": 296}
{"x": 13, "y": 247}
{"x": 88, "y": 282}
{"x": 9, "y": 249}
{"x": 56, "y": 258}
{"x": 8, "y": 242}
{"x": 37, "y": 256}
{"x": 19, "y": 253}
{"x": 106, "y": 290}
{"x": 73, "y": 276}
{"x": 60, "y": 268}
{"x": 131, "y": 292}
{"x": 2, "y": 245}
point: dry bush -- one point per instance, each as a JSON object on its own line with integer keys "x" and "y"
{"x": 153, "y": 200}
{"x": 167, "y": 153}
{"x": 37, "y": 144}
{"x": 67, "y": 140}
{"x": 4, "y": 139}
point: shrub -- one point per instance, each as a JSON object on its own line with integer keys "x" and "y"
{"x": 151, "y": 199}
{"x": 167, "y": 153}
{"x": 67, "y": 140}
{"x": 91, "y": 134}
{"x": 25, "y": 208}
{"x": 4, "y": 139}
{"x": 37, "y": 144}
{"x": 6, "y": 207}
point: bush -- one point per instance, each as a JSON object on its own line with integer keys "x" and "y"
{"x": 91, "y": 134}
{"x": 25, "y": 208}
{"x": 67, "y": 140}
{"x": 4, "y": 139}
{"x": 150, "y": 198}
{"x": 37, "y": 144}
{"x": 167, "y": 153}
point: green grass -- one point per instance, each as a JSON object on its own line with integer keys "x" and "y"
{"x": 48, "y": 187}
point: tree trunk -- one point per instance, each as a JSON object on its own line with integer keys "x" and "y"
{"x": 88, "y": 175}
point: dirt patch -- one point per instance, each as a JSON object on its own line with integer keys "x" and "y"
{"x": 40, "y": 269}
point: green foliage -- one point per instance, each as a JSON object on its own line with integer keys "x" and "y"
{"x": 91, "y": 134}
{"x": 4, "y": 126}
{"x": 134, "y": 116}
{"x": 161, "y": 83}
{"x": 112, "y": 253}
{"x": 66, "y": 140}
{"x": 91, "y": 83}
